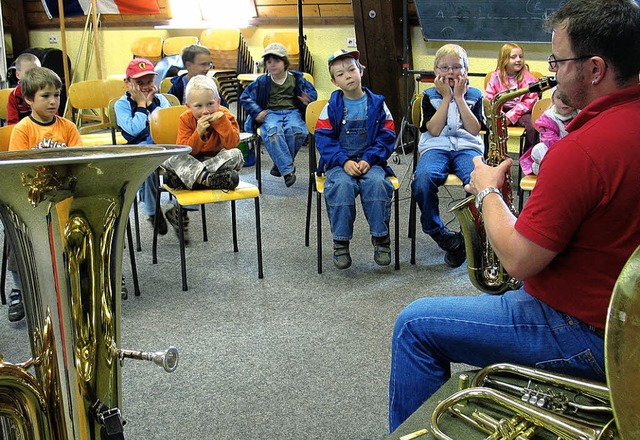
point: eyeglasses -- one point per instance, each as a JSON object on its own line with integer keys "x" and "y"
{"x": 452, "y": 68}
{"x": 553, "y": 62}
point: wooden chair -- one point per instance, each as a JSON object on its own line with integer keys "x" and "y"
{"x": 174, "y": 45}
{"x": 527, "y": 183}
{"x": 316, "y": 183}
{"x": 164, "y": 130}
{"x": 4, "y": 99}
{"x": 147, "y": 47}
{"x": 452, "y": 179}
{"x": 94, "y": 95}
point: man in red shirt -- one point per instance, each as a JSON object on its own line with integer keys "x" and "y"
{"x": 579, "y": 227}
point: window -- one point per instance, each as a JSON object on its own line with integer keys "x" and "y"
{"x": 212, "y": 13}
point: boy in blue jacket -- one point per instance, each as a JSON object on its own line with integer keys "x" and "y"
{"x": 276, "y": 102}
{"x": 355, "y": 136}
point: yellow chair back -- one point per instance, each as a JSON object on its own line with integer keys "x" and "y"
{"x": 313, "y": 113}
{"x": 539, "y": 108}
{"x": 93, "y": 94}
{"x": 163, "y": 124}
{"x": 416, "y": 110}
{"x": 220, "y": 39}
{"x": 147, "y": 47}
{"x": 288, "y": 39}
{"x": 5, "y": 137}
{"x": 174, "y": 45}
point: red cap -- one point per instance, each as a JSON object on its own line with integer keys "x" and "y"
{"x": 140, "y": 67}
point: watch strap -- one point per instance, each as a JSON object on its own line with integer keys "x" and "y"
{"x": 485, "y": 192}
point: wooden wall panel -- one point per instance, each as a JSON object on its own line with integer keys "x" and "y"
{"x": 287, "y": 11}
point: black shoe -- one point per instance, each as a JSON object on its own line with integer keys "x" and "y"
{"x": 172, "y": 218}
{"x": 162, "y": 224}
{"x": 124, "y": 293}
{"x": 447, "y": 240}
{"x": 16, "y": 307}
{"x": 341, "y": 256}
{"x": 290, "y": 179}
{"x": 381, "y": 250}
{"x": 456, "y": 257}
{"x": 224, "y": 180}
{"x": 274, "y": 171}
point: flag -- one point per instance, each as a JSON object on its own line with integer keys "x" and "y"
{"x": 74, "y": 8}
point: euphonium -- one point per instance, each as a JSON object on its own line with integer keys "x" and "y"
{"x": 485, "y": 270}
{"x": 64, "y": 213}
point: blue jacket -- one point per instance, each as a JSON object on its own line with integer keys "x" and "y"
{"x": 134, "y": 121}
{"x": 453, "y": 136}
{"x": 255, "y": 97}
{"x": 381, "y": 134}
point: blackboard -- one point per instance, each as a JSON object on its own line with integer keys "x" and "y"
{"x": 486, "y": 20}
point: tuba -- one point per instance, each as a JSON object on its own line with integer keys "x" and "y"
{"x": 485, "y": 270}
{"x": 65, "y": 212}
{"x": 567, "y": 407}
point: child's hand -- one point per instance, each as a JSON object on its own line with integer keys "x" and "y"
{"x": 352, "y": 168}
{"x": 153, "y": 90}
{"x": 364, "y": 166}
{"x": 442, "y": 86}
{"x": 305, "y": 99}
{"x": 215, "y": 117}
{"x": 137, "y": 95}
{"x": 261, "y": 116}
{"x": 204, "y": 123}
{"x": 460, "y": 86}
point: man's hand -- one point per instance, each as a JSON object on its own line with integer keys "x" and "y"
{"x": 483, "y": 176}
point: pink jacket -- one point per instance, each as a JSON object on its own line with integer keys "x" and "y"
{"x": 519, "y": 105}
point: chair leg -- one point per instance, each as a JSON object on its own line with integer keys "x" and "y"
{"x": 319, "y": 229}
{"x": 396, "y": 227}
{"x": 183, "y": 258}
{"x": 154, "y": 246}
{"x": 258, "y": 150}
{"x": 308, "y": 217}
{"x": 136, "y": 217}
{"x": 412, "y": 228}
{"x": 205, "y": 237}
{"x": 259, "y": 238}
{"x": 234, "y": 226}
{"x": 132, "y": 257}
{"x": 3, "y": 280}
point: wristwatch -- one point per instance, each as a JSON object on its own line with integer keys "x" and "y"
{"x": 482, "y": 194}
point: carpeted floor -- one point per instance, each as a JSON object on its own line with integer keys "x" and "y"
{"x": 294, "y": 355}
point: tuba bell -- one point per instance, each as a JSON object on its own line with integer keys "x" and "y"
{"x": 485, "y": 270}
{"x": 64, "y": 213}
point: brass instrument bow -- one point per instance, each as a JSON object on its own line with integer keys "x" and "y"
{"x": 64, "y": 212}
{"x": 485, "y": 270}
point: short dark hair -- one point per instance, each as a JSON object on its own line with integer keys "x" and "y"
{"x": 285, "y": 59}
{"x": 190, "y": 53}
{"x": 607, "y": 28}
{"x": 37, "y": 79}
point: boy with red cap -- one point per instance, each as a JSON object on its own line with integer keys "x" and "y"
{"x": 132, "y": 114}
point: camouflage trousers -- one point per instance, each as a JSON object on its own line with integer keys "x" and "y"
{"x": 188, "y": 168}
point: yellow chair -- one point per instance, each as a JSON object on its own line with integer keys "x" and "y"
{"x": 94, "y": 96}
{"x": 290, "y": 41}
{"x": 163, "y": 124}
{"x": 4, "y": 99}
{"x": 165, "y": 85}
{"x": 316, "y": 182}
{"x": 224, "y": 45}
{"x": 147, "y": 47}
{"x": 174, "y": 45}
{"x": 452, "y": 179}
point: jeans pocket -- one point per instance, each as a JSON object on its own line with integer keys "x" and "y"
{"x": 582, "y": 364}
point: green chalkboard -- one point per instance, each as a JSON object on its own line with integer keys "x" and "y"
{"x": 486, "y": 20}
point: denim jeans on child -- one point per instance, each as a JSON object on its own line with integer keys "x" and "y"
{"x": 481, "y": 330}
{"x": 283, "y": 133}
{"x": 340, "y": 191}
{"x": 432, "y": 171}
{"x": 148, "y": 192}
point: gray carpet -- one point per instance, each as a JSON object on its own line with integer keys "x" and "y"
{"x": 294, "y": 355}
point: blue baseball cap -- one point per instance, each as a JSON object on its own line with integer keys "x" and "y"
{"x": 341, "y": 53}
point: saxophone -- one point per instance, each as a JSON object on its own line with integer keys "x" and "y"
{"x": 485, "y": 270}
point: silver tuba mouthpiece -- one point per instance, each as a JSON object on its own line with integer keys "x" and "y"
{"x": 167, "y": 359}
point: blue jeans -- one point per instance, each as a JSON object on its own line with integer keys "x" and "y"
{"x": 340, "y": 191}
{"x": 148, "y": 192}
{"x": 432, "y": 171}
{"x": 283, "y": 133}
{"x": 481, "y": 330}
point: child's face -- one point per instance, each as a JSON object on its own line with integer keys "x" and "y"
{"x": 562, "y": 108}
{"x": 451, "y": 67}
{"x": 45, "y": 104}
{"x": 275, "y": 66}
{"x": 346, "y": 75}
{"x": 200, "y": 66}
{"x": 24, "y": 67}
{"x": 202, "y": 102}
{"x": 144, "y": 84}
{"x": 516, "y": 61}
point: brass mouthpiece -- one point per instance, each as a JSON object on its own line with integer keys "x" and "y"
{"x": 167, "y": 359}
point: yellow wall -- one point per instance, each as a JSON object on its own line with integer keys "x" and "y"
{"x": 321, "y": 40}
